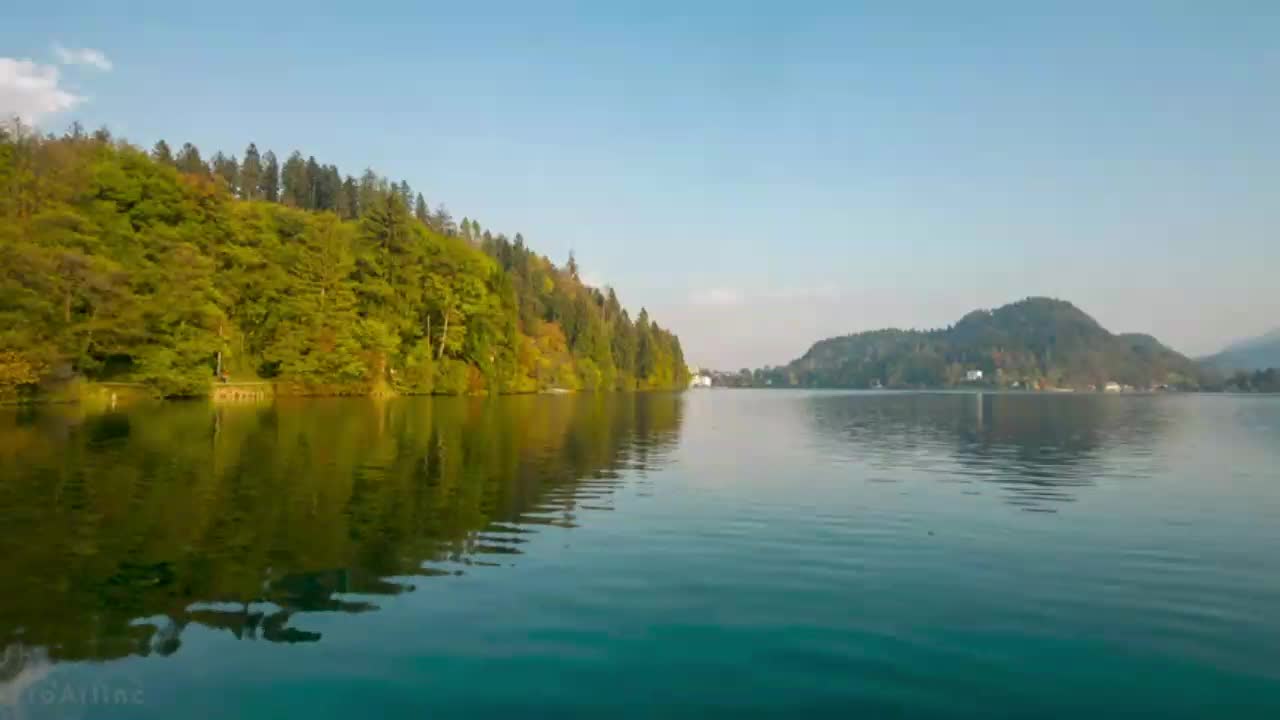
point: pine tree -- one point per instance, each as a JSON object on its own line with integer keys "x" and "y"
{"x": 420, "y": 210}
{"x": 332, "y": 187}
{"x": 645, "y": 350}
{"x": 162, "y": 154}
{"x": 386, "y": 224}
{"x": 189, "y": 160}
{"x": 226, "y": 169}
{"x": 612, "y": 308}
{"x": 348, "y": 199}
{"x": 369, "y": 192}
{"x": 269, "y": 184}
{"x": 251, "y": 174}
{"x": 295, "y": 190}
{"x": 314, "y": 185}
{"x": 572, "y": 267}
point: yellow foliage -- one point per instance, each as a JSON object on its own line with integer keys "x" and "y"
{"x": 17, "y": 370}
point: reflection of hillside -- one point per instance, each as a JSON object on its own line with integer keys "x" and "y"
{"x": 1038, "y": 448}
{"x": 122, "y": 529}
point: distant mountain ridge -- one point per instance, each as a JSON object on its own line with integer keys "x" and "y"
{"x": 1036, "y": 342}
{"x": 1258, "y": 353}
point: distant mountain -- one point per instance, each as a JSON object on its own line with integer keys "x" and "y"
{"x": 1034, "y": 342}
{"x": 1256, "y": 353}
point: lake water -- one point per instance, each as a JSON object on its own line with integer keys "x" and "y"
{"x": 716, "y": 553}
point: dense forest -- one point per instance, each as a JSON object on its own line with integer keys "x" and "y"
{"x": 1034, "y": 343}
{"x": 162, "y": 268}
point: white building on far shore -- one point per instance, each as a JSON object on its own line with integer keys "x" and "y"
{"x": 697, "y": 379}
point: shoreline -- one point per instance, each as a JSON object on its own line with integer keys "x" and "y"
{"x": 112, "y": 394}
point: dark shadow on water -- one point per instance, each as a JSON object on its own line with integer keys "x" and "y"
{"x": 123, "y": 529}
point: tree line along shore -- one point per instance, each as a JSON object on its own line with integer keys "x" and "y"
{"x": 161, "y": 270}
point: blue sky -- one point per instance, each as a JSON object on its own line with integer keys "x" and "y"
{"x": 759, "y": 176}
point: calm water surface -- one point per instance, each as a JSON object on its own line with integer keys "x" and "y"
{"x": 717, "y": 553}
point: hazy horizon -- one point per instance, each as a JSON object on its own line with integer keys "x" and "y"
{"x": 759, "y": 181}
{"x": 823, "y": 318}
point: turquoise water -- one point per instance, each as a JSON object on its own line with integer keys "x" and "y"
{"x": 716, "y": 553}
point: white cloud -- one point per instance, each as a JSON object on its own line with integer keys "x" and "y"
{"x": 82, "y": 56}
{"x": 31, "y": 91}
{"x": 720, "y": 297}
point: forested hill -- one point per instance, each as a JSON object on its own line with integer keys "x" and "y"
{"x": 152, "y": 267}
{"x": 1037, "y": 342}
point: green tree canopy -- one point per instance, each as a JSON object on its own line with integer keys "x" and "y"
{"x": 116, "y": 264}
